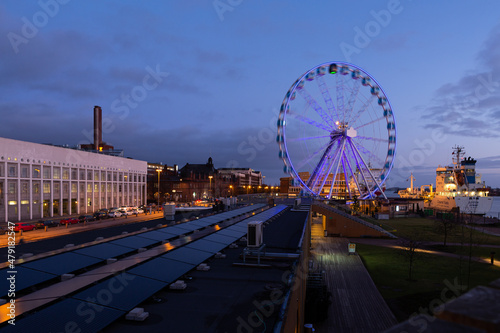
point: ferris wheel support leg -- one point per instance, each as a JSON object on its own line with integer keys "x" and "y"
{"x": 337, "y": 155}
{"x": 371, "y": 174}
{"x": 360, "y": 164}
{"x": 353, "y": 175}
{"x": 345, "y": 177}
{"x": 336, "y": 169}
{"x": 311, "y": 183}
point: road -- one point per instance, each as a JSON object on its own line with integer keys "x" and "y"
{"x": 40, "y": 241}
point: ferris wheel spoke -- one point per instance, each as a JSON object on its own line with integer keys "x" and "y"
{"x": 344, "y": 160}
{"x": 359, "y": 165}
{"x": 308, "y": 138}
{"x": 368, "y": 153}
{"x": 340, "y": 96}
{"x": 363, "y": 108}
{"x": 332, "y": 162}
{"x": 312, "y": 103}
{"x": 376, "y": 183}
{"x": 372, "y": 139}
{"x": 352, "y": 98}
{"x": 316, "y": 153}
{"x": 313, "y": 179}
{"x": 327, "y": 98}
{"x": 334, "y": 178}
{"x": 370, "y": 123}
{"x": 310, "y": 121}
{"x": 353, "y": 175}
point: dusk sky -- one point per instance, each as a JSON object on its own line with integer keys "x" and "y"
{"x": 179, "y": 81}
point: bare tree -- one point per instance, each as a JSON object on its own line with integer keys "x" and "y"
{"x": 409, "y": 251}
{"x": 445, "y": 225}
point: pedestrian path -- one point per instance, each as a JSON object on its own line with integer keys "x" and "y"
{"x": 357, "y": 305}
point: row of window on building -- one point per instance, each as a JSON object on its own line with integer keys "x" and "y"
{"x": 50, "y": 172}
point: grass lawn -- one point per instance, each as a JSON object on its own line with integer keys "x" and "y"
{"x": 432, "y": 274}
{"x": 425, "y": 229}
{"x": 476, "y": 251}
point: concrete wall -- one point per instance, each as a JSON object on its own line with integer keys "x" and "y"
{"x": 336, "y": 224}
{"x": 293, "y": 320}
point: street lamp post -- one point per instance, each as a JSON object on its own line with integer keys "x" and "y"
{"x": 231, "y": 190}
{"x": 158, "y": 170}
{"x": 210, "y": 187}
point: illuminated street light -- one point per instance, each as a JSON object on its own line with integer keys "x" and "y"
{"x": 158, "y": 170}
{"x": 210, "y": 187}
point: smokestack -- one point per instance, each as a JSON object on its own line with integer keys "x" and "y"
{"x": 97, "y": 127}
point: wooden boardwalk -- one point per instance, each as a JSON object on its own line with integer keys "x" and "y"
{"x": 357, "y": 306}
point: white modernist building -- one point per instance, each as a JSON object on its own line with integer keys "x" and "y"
{"x": 42, "y": 181}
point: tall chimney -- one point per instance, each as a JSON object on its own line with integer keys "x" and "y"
{"x": 97, "y": 127}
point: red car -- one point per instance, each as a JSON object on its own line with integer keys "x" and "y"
{"x": 23, "y": 226}
{"x": 69, "y": 221}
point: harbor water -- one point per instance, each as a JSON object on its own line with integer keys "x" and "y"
{"x": 495, "y": 208}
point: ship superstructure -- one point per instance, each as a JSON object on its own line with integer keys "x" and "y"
{"x": 459, "y": 185}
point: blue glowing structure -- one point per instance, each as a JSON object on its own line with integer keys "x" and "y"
{"x": 337, "y": 132}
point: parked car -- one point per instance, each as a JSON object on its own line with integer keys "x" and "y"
{"x": 114, "y": 213}
{"x": 101, "y": 215}
{"x": 24, "y": 226}
{"x": 70, "y": 220}
{"x": 47, "y": 223}
{"x": 137, "y": 211}
{"x": 104, "y": 210}
{"x": 125, "y": 212}
{"x": 86, "y": 218}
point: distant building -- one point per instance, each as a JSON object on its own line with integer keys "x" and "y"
{"x": 292, "y": 187}
{"x": 167, "y": 177}
{"x": 41, "y": 181}
{"x": 197, "y": 181}
{"x": 243, "y": 176}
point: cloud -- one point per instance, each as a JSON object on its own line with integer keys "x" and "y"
{"x": 469, "y": 107}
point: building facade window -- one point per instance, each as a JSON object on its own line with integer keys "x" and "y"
{"x": 24, "y": 188}
{"x": 12, "y": 188}
{"x": 56, "y": 173}
{"x": 2, "y": 170}
{"x": 65, "y": 174}
{"x": 57, "y": 187}
{"x": 24, "y": 171}
{"x": 89, "y": 188}
{"x": 46, "y": 172}
{"x": 36, "y": 171}
{"x": 82, "y": 174}
{"x": 89, "y": 175}
{"x": 12, "y": 170}
{"x": 96, "y": 175}
{"x": 74, "y": 187}
{"x": 46, "y": 187}
{"x": 74, "y": 174}
{"x": 36, "y": 188}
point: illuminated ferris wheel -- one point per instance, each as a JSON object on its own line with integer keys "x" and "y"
{"x": 337, "y": 132}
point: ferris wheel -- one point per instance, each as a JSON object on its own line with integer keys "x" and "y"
{"x": 337, "y": 133}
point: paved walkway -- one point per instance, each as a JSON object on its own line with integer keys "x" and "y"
{"x": 357, "y": 305}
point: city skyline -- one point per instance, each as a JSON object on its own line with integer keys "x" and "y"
{"x": 182, "y": 82}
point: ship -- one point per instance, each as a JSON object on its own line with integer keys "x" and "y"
{"x": 459, "y": 186}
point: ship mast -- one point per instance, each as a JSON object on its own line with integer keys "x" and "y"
{"x": 458, "y": 152}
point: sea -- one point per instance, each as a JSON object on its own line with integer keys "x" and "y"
{"x": 495, "y": 208}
